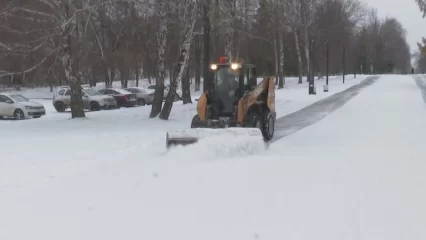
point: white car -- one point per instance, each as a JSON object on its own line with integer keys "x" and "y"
{"x": 92, "y": 100}
{"x": 19, "y": 107}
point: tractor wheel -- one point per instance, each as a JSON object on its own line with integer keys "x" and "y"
{"x": 268, "y": 128}
{"x": 196, "y": 122}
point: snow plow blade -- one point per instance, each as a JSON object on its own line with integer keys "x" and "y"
{"x": 219, "y": 135}
{"x": 176, "y": 141}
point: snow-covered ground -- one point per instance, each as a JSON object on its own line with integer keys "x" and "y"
{"x": 357, "y": 174}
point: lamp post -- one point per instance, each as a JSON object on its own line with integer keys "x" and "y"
{"x": 326, "y": 66}
{"x": 312, "y": 74}
{"x": 344, "y": 73}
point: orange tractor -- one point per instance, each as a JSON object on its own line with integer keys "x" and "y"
{"x": 233, "y": 99}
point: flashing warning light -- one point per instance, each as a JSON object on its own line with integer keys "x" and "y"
{"x": 222, "y": 59}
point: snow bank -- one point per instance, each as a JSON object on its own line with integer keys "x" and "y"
{"x": 219, "y": 143}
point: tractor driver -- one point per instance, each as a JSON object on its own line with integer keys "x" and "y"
{"x": 227, "y": 82}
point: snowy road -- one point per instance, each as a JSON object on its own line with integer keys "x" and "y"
{"x": 313, "y": 113}
{"x": 359, "y": 173}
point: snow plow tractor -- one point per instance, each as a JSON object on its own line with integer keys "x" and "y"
{"x": 233, "y": 105}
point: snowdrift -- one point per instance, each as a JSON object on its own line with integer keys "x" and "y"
{"x": 219, "y": 143}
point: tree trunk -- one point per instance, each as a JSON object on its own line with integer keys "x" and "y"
{"x": 307, "y": 54}
{"x": 93, "y": 78}
{"x": 122, "y": 78}
{"x": 77, "y": 109}
{"x": 281, "y": 69}
{"x": 183, "y": 60}
{"x": 186, "y": 86}
{"x": 112, "y": 77}
{"x": 126, "y": 77}
{"x": 137, "y": 76}
{"x": 299, "y": 56}
{"x": 276, "y": 65}
{"x": 308, "y": 60}
{"x": 230, "y": 41}
{"x": 179, "y": 72}
{"x": 197, "y": 64}
{"x": 162, "y": 41}
{"x": 106, "y": 74}
{"x": 275, "y": 44}
{"x": 206, "y": 44}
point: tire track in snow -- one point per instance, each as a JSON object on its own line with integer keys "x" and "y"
{"x": 313, "y": 113}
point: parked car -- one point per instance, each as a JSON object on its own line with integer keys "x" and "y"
{"x": 124, "y": 98}
{"x": 143, "y": 96}
{"x": 92, "y": 100}
{"x": 19, "y": 107}
{"x": 166, "y": 91}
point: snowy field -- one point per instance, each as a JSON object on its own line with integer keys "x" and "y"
{"x": 357, "y": 174}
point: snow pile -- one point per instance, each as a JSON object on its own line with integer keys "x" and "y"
{"x": 219, "y": 143}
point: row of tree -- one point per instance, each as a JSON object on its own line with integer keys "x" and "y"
{"x": 51, "y": 42}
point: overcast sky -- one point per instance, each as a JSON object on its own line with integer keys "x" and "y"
{"x": 407, "y": 13}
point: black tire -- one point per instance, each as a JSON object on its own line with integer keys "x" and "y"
{"x": 60, "y": 107}
{"x": 196, "y": 122}
{"x": 268, "y": 126}
{"x": 94, "y": 106}
{"x": 141, "y": 102}
{"x": 18, "y": 114}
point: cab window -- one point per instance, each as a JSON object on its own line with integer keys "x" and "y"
{"x": 248, "y": 75}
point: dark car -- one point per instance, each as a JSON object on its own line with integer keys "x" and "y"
{"x": 124, "y": 98}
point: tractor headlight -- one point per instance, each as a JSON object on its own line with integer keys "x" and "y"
{"x": 213, "y": 67}
{"x": 235, "y": 66}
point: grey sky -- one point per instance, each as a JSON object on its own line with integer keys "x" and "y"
{"x": 407, "y": 13}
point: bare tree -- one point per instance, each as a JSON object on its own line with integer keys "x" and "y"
{"x": 64, "y": 25}
{"x": 161, "y": 12}
{"x": 292, "y": 18}
{"x": 185, "y": 47}
{"x": 422, "y": 6}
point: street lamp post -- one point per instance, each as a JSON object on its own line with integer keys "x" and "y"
{"x": 312, "y": 74}
{"x": 344, "y": 70}
{"x": 326, "y": 66}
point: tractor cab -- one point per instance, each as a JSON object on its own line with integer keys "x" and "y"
{"x": 228, "y": 83}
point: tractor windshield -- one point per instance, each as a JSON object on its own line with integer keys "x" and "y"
{"x": 226, "y": 80}
{"x": 225, "y": 86}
